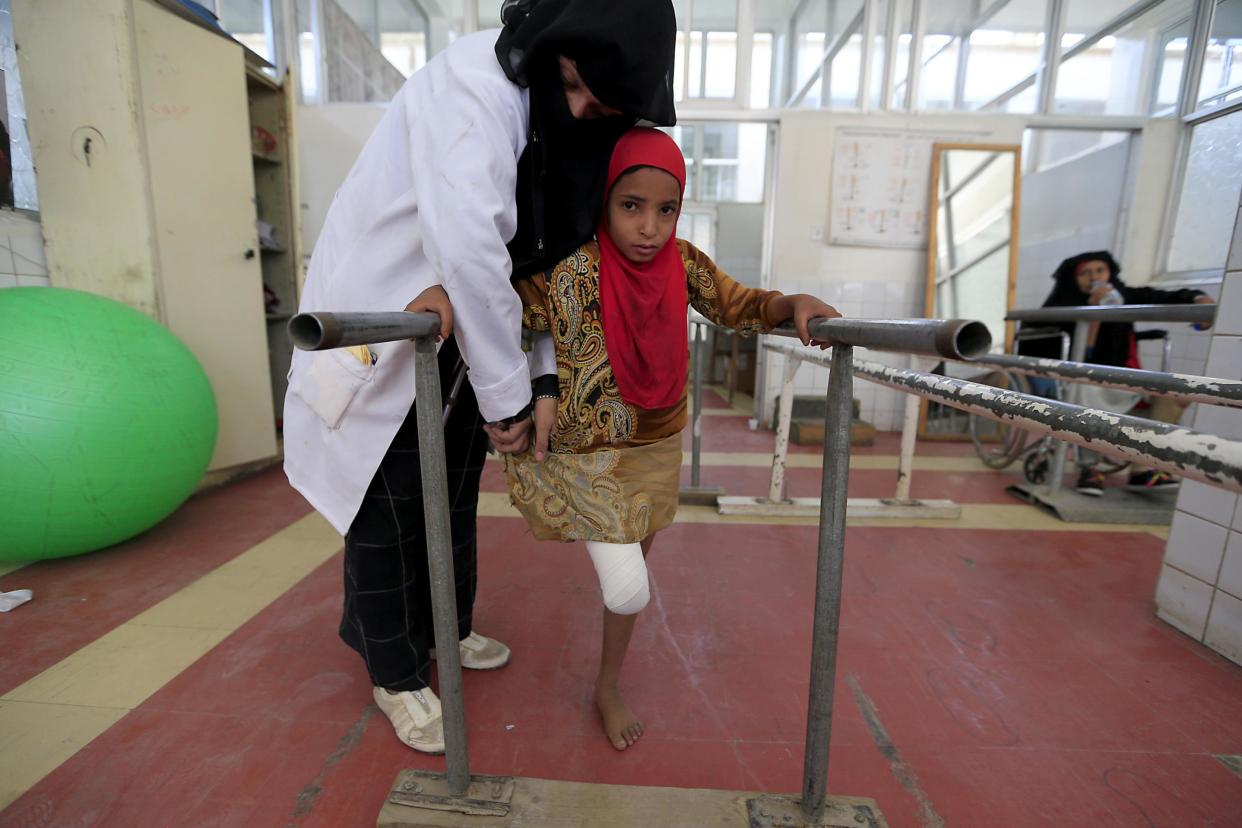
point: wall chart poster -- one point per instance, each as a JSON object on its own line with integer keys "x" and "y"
{"x": 880, "y": 181}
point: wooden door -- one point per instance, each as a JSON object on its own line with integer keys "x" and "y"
{"x": 196, "y": 124}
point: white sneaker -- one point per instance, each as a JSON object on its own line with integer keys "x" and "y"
{"x": 415, "y": 716}
{"x": 479, "y": 652}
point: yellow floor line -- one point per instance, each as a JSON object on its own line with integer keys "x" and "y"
{"x": 6, "y": 568}
{"x": 754, "y": 459}
{"x": 49, "y": 718}
{"x": 974, "y": 516}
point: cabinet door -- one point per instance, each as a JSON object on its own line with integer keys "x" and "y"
{"x": 196, "y": 123}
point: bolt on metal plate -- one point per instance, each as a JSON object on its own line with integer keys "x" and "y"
{"x": 786, "y": 812}
{"x": 485, "y": 796}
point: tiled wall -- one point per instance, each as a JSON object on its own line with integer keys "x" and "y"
{"x": 1200, "y": 588}
{"x": 22, "y": 262}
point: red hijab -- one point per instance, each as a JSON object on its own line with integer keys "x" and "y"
{"x": 643, "y": 304}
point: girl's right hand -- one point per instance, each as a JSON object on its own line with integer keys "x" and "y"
{"x": 545, "y": 421}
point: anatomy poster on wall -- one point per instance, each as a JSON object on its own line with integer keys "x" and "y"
{"x": 880, "y": 181}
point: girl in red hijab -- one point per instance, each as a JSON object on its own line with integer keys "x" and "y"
{"x": 616, "y": 310}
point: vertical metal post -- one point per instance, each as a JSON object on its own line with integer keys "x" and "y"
{"x": 909, "y": 432}
{"x": 696, "y": 373}
{"x": 914, "y": 74}
{"x": 1054, "y": 27}
{"x": 832, "y": 503}
{"x": 776, "y": 490}
{"x": 1077, "y": 353}
{"x": 440, "y": 560}
{"x": 1196, "y": 50}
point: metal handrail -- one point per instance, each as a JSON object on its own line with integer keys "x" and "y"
{"x": 317, "y": 331}
{"x": 1115, "y": 313}
{"x": 1082, "y": 316}
{"x": 947, "y": 338}
{"x": 1186, "y": 387}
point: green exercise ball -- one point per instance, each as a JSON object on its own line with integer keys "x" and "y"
{"x": 107, "y": 423}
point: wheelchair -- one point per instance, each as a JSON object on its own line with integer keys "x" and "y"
{"x": 1000, "y": 444}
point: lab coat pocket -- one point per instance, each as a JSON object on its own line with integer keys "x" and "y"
{"x": 331, "y": 381}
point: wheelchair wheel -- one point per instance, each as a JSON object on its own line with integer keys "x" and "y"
{"x": 998, "y": 443}
{"x": 1036, "y": 466}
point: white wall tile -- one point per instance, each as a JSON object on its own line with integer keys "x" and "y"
{"x": 1225, "y": 357}
{"x": 7, "y": 280}
{"x": 1209, "y": 502}
{"x": 1231, "y": 569}
{"x": 1224, "y": 627}
{"x": 1196, "y": 546}
{"x": 1227, "y": 422}
{"x": 26, "y": 243}
{"x": 1183, "y": 601}
{"x": 33, "y": 281}
{"x": 1229, "y": 314}
{"x": 1235, "y": 249}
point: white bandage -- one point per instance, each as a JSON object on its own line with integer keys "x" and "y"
{"x": 622, "y": 575}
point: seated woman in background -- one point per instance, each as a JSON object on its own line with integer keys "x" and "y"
{"x": 1092, "y": 279}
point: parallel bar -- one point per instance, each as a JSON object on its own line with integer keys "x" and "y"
{"x": 1078, "y": 352}
{"x": 696, "y": 437}
{"x": 1116, "y": 313}
{"x": 832, "y": 504}
{"x": 909, "y": 433}
{"x": 440, "y": 560}
{"x": 949, "y": 338}
{"x": 1195, "y": 455}
{"x": 784, "y": 419}
{"x": 320, "y": 331}
{"x": 1185, "y": 387}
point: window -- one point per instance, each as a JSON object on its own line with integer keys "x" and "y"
{"x": 724, "y": 161}
{"x": 1107, "y": 76}
{"x": 1002, "y": 53}
{"x": 1208, "y": 203}
{"x": 13, "y": 114}
{"x": 1221, "y": 81}
{"x": 706, "y": 51}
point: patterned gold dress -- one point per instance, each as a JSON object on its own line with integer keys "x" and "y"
{"x": 613, "y": 470}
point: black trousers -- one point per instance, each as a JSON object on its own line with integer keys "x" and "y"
{"x": 387, "y": 616}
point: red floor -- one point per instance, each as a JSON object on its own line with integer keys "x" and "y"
{"x": 985, "y": 678}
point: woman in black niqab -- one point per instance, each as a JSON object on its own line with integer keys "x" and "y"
{"x": 624, "y": 54}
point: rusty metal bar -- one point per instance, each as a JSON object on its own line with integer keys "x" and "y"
{"x": 1186, "y": 387}
{"x": 948, "y": 338}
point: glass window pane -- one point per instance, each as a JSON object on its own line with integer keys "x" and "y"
{"x": 721, "y": 65}
{"x": 761, "y": 58}
{"x": 694, "y": 64}
{"x": 817, "y": 28}
{"x": 245, "y": 20}
{"x": 1003, "y": 52}
{"x": 716, "y": 23}
{"x": 846, "y": 75}
{"x": 940, "y": 54}
{"x": 1108, "y": 77}
{"x": 1208, "y": 204}
{"x": 1222, "y": 64}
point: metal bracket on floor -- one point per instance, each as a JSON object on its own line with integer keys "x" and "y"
{"x": 855, "y": 507}
{"x": 1115, "y": 506}
{"x": 486, "y": 795}
{"x": 699, "y": 495}
{"x": 776, "y": 811}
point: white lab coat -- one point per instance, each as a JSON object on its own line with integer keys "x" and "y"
{"x": 429, "y": 201}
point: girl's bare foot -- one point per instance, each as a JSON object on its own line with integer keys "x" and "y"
{"x": 620, "y": 725}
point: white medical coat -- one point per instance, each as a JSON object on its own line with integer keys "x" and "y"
{"x": 429, "y": 201}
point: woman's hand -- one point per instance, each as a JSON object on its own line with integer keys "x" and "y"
{"x": 805, "y": 308}
{"x": 1098, "y": 293}
{"x": 1203, "y": 300}
{"x": 545, "y": 421}
{"x": 435, "y": 300}
{"x": 510, "y": 439}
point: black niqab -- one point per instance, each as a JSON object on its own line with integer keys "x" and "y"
{"x": 624, "y": 53}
